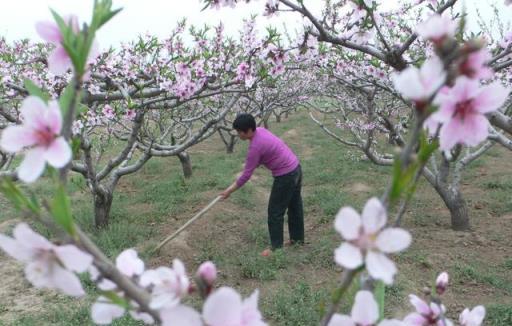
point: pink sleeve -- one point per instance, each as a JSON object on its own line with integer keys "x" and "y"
{"x": 251, "y": 162}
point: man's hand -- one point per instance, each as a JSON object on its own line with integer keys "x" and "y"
{"x": 225, "y": 194}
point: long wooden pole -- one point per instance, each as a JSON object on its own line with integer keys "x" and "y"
{"x": 198, "y": 215}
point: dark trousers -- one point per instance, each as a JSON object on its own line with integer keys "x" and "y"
{"x": 285, "y": 195}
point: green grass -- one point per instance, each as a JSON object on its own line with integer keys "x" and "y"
{"x": 295, "y": 305}
{"x": 498, "y": 315}
{"x": 468, "y": 273}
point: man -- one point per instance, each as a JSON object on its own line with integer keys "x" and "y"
{"x": 267, "y": 149}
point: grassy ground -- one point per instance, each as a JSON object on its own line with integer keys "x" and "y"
{"x": 294, "y": 283}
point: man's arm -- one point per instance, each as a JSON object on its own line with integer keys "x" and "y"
{"x": 251, "y": 162}
{"x": 229, "y": 190}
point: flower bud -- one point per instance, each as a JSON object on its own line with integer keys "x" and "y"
{"x": 441, "y": 283}
{"x": 207, "y": 272}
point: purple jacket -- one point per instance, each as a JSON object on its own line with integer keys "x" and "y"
{"x": 268, "y": 149}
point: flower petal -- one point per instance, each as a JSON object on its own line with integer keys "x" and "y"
{"x": 474, "y": 129}
{"x": 182, "y": 316}
{"x": 421, "y": 306}
{"x": 250, "y": 312}
{"x": 365, "y": 310}
{"x": 449, "y": 135}
{"x": 408, "y": 83}
{"x": 341, "y": 320}
{"x": 49, "y": 32}
{"x": 32, "y": 165}
{"x": 149, "y": 277}
{"x": 432, "y": 74}
{"x": 13, "y": 249}
{"x": 129, "y": 263}
{"x": 103, "y": 312}
{"x": 490, "y": 97}
{"x": 30, "y": 239}
{"x": 415, "y": 319}
{"x": 374, "y": 216}
{"x": 348, "y": 256}
{"x": 15, "y": 138}
{"x": 67, "y": 282}
{"x": 393, "y": 240}
{"x": 54, "y": 117}
{"x": 380, "y": 267}
{"x": 73, "y": 258}
{"x": 59, "y": 61}
{"x": 32, "y": 112}
{"x": 38, "y": 274}
{"x": 223, "y": 307}
{"x": 391, "y": 322}
{"x": 58, "y": 154}
{"x": 348, "y": 223}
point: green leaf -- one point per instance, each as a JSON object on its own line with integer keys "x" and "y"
{"x": 61, "y": 210}
{"x": 66, "y": 98}
{"x": 380, "y": 297}
{"x": 395, "y": 187}
{"x": 109, "y": 16}
{"x": 12, "y": 192}
{"x": 115, "y": 298}
{"x": 34, "y": 90}
{"x": 75, "y": 146}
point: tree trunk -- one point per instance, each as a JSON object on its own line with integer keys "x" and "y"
{"x": 458, "y": 208}
{"x": 185, "y": 164}
{"x": 102, "y": 205}
{"x": 278, "y": 118}
{"x": 454, "y": 201}
{"x": 265, "y": 123}
{"x": 230, "y": 147}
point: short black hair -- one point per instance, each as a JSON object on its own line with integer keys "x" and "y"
{"x": 244, "y": 122}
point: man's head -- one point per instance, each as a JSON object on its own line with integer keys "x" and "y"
{"x": 245, "y": 125}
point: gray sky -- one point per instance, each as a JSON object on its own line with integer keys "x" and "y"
{"x": 159, "y": 16}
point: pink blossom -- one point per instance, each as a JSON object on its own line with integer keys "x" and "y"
{"x": 104, "y": 311}
{"x": 475, "y": 317}
{"x": 59, "y": 61}
{"x": 425, "y": 314}
{"x": 183, "y": 70}
{"x": 367, "y": 243}
{"x": 48, "y": 265}
{"x": 358, "y": 12}
{"x": 169, "y": 285}
{"x": 365, "y": 312}
{"x": 242, "y": 70}
{"x": 207, "y": 272}
{"x": 180, "y": 315}
{"x": 508, "y": 2}
{"x": 130, "y": 114}
{"x": 475, "y": 65}
{"x": 437, "y": 28}
{"x": 129, "y": 263}
{"x": 108, "y": 112}
{"x": 419, "y": 84}
{"x": 462, "y": 109}
{"x": 442, "y": 283}
{"x": 39, "y": 133}
{"x": 77, "y": 127}
{"x": 225, "y": 307}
